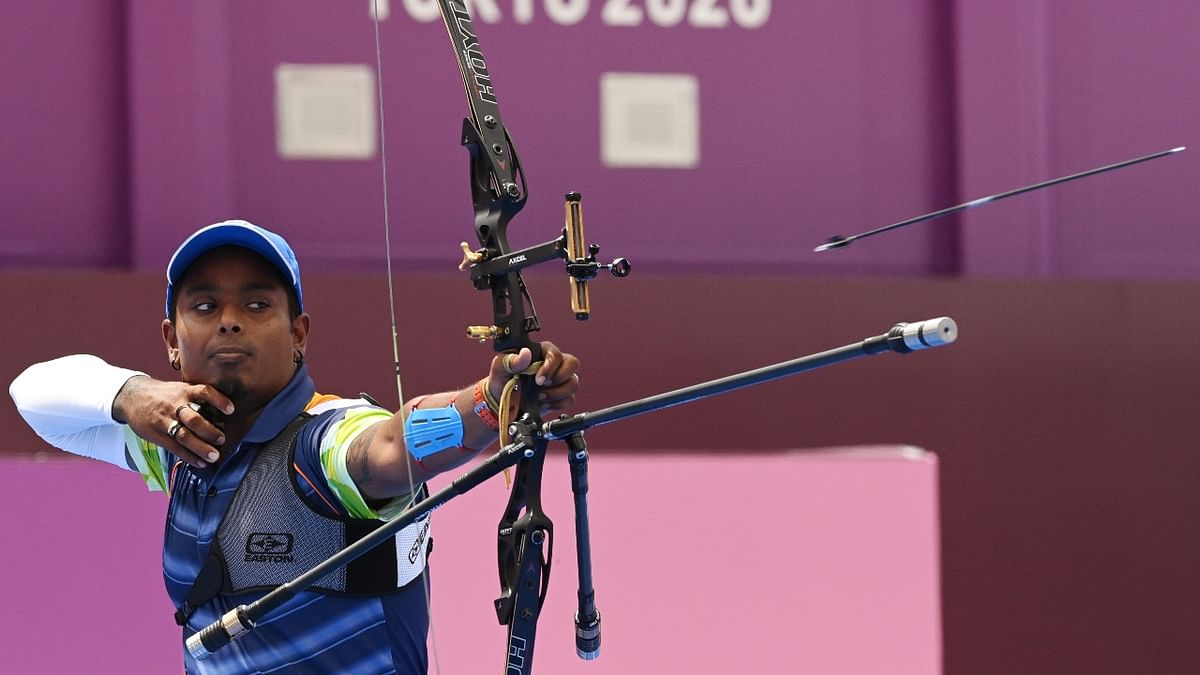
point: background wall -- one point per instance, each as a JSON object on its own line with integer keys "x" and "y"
{"x": 1065, "y": 418}
{"x": 839, "y": 574}
{"x": 140, "y": 120}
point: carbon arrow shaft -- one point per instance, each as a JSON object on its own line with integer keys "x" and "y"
{"x": 838, "y": 241}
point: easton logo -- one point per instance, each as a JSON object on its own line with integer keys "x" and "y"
{"x": 269, "y": 547}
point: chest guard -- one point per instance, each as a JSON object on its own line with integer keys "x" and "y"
{"x": 270, "y": 535}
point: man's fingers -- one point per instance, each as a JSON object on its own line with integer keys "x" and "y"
{"x": 187, "y": 446}
{"x": 561, "y": 390}
{"x": 515, "y": 363}
{"x": 551, "y": 361}
{"x": 555, "y": 376}
{"x": 205, "y": 430}
{"x": 191, "y": 443}
{"x": 194, "y": 430}
{"x": 210, "y": 395}
{"x": 557, "y": 368}
{"x": 189, "y": 458}
{"x": 194, "y": 420}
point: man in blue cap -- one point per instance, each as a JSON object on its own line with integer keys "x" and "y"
{"x": 267, "y": 477}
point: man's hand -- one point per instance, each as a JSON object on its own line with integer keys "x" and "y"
{"x": 168, "y": 414}
{"x": 556, "y": 377}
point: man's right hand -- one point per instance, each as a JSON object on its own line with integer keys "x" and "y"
{"x": 154, "y": 408}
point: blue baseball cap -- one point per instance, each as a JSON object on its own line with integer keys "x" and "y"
{"x": 234, "y": 233}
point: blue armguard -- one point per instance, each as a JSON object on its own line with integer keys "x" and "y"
{"x": 430, "y": 431}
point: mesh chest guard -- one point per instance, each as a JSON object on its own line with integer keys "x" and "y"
{"x": 270, "y": 536}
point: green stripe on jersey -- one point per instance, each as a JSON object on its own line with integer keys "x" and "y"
{"x": 335, "y": 446}
{"x": 147, "y": 459}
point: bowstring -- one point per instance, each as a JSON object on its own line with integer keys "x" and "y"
{"x": 387, "y": 239}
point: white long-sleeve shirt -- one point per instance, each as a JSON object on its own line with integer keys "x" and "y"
{"x": 68, "y": 402}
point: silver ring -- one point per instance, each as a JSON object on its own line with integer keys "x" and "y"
{"x": 174, "y": 430}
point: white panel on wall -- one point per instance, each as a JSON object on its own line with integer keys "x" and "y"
{"x": 649, "y": 120}
{"x": 325, "y": 111}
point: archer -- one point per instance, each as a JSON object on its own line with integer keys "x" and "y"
{"x": 265, "y": 476}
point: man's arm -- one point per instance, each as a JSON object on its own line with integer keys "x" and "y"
{"x": 378, "y": 459}
{"x": 68, "y": 402}
{"x": 151, "y": 407}
{"x": 78, "y": 403}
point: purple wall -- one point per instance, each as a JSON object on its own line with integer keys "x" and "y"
{"x": 1050, "y": 88}
{"x": 830, "y": 118}
{"x": 64, "y": 184}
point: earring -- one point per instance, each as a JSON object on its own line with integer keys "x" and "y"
{"x": 175, "y": 363}
{"x": 298, "y": 357}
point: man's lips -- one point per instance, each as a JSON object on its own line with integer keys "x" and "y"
{"x": 227, "y": 354}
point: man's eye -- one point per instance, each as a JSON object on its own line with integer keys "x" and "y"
{"x": 259, "y": 304}
{"x": 204, "y": 306}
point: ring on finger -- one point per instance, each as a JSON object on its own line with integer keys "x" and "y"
{"x": 185, "y": 405}
{"x": 174, "y": 430}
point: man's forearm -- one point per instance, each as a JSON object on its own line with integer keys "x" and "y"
{"x": 68, "y": 401}
{"x": 379, "y": 460}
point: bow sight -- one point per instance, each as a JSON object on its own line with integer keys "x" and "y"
{"x": 487, "y": 265}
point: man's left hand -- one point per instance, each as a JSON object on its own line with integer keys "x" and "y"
{"x": 557, "y": 377}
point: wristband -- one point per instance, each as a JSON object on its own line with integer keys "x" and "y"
{"x": 484, "y": 409}
{"x": 493, "y": 404}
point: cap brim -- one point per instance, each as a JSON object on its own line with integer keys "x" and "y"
{"x": 233, "y": 233}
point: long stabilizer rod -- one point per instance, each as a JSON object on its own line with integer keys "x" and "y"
{"x": 902, "y": 338}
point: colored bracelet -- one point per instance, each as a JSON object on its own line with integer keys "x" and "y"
{"x": 484, "y": 410}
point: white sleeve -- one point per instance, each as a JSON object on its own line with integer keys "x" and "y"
{"x": 68, "y": 402}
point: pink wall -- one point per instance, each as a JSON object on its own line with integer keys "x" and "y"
{"x": 784, "y": 562}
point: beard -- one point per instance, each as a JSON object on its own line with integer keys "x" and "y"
{"x": 233, "y": 387}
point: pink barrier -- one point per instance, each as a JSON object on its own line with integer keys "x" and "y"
{"x": 822, "y": 561}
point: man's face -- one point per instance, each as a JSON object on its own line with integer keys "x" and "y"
{"x": 233, "y": 329}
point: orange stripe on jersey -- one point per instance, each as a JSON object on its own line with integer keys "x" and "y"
{"x": 318, "y": 399}
{"x": 314, "y": 488}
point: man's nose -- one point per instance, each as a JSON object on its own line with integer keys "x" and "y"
{"x": 230, "y": 323}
